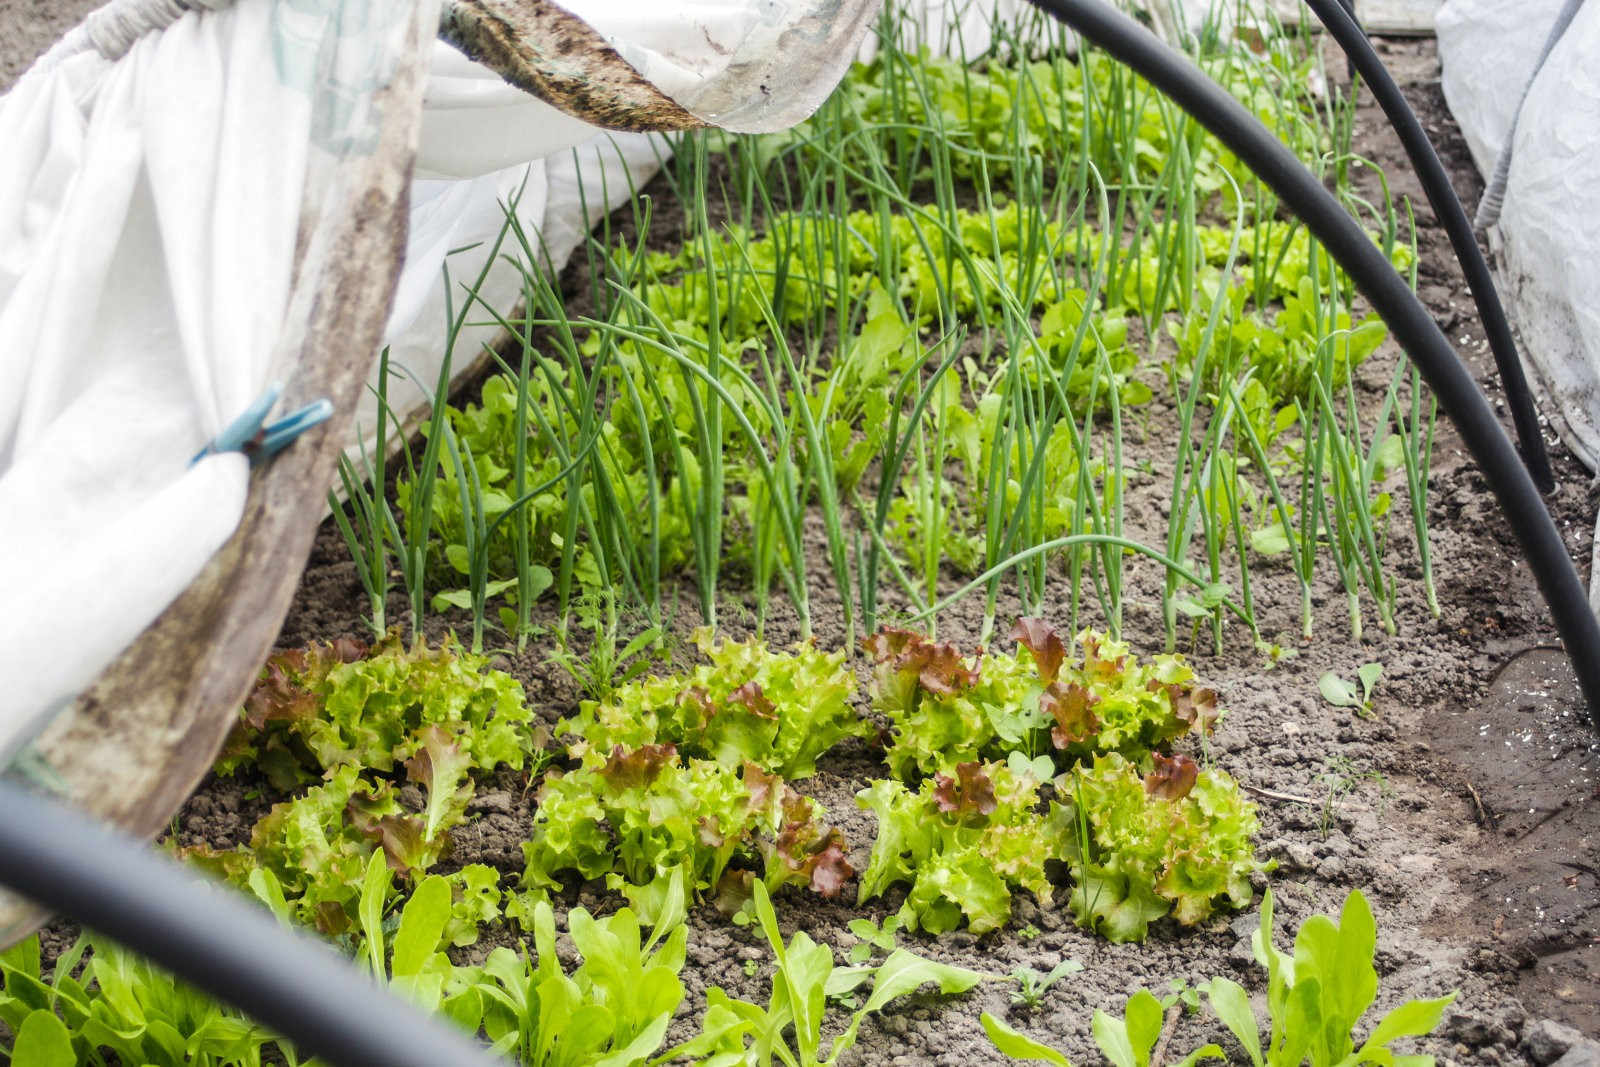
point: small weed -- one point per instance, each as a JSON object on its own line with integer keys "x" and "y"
{"x": 1343, "y": 778}
{"x": 1344, "y": 694}
{"x": 1181, "y": 993}
{"x": 1275, "y": 653}
{"x": 1032, "y": 985}
{"x": 872, "y": 936}
{"x": 606, "y": 667}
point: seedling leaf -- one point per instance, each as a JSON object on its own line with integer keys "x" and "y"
{"x": 1017, "y": 1045}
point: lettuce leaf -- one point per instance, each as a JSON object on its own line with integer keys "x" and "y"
{"x": 643, "y": 813}
{"x": 963, "y": 842}
{"x": 746, "y": 704}
{"x": 343, "y": 704}
{"x": 1177, "y": 840}
{"x": 1045, "y": 699}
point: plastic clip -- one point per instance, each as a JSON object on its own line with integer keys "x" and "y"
{"x": 260, "y": 442}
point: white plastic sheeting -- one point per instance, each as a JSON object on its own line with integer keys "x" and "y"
{"x": 150, "y": 196}
{"x": 149, "y": 200}
{"x": 1548, "y": 235}
{"x": 752, "y": 66}
{"x": 148, "y": 215}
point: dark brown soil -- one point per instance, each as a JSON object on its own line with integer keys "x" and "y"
{"x": 1466, "y": 807}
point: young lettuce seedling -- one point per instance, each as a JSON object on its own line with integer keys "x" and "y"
{"x": 1128, "y": 1041}
{"x": 789, "y": 1029}
{"x": 1316, "y": 996}
{"x": 1343, "y": 694}
{"x": 1032, "y": 984}
{"x": 872, "y": 936}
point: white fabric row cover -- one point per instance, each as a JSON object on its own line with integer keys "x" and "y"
{"x": 148, "y": 213}
{"x": 1548, "y": 235}
{"x": 155, "y": 170}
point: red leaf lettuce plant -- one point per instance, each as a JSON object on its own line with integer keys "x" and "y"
{"x": 778, "y": 710}
{"x": 1143, "y": 834}
{"x": 963, "y": 842}
{"x": 1176, "y": 840}
{"x": 352, "y": 719}
{"x": 692, "y": 771}
{"x": 945, "y": 709}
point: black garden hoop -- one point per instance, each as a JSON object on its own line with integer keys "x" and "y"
{"x": 1173, "y": 74}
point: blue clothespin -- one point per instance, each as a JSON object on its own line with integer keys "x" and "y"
{"x": 261, "y": 442}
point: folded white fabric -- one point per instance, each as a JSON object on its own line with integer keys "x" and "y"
{"x": 1548, "y": 234}
{"x": 148, "y": 211}
{"x": 151, "y": 195}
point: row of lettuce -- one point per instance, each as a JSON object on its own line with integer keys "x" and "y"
{"x": 686, "y": 788}
{"x": 999, "y": 765}
{"x": 615, "y": 999}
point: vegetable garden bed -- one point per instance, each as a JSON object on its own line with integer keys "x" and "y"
{"x": 1064, "y": 814}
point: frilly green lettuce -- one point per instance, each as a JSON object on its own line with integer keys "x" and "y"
{"x": 1177, "y": 840}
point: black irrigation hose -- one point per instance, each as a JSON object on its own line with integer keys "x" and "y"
{"x": 1436, "y": 184}
{"x": 1349, "y": 60}
{"x": 72, "y": 865}
{"x": 1131, "y": 44}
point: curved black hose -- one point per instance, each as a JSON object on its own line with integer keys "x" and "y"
{"x": 1447, "y": 206}
{"x": 1413, "y": 327}
{"x": 64, "y": 861}
{"x": 1349, "y": 60}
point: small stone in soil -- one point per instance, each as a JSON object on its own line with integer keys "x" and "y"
{"x": 1548, "y": 1040}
